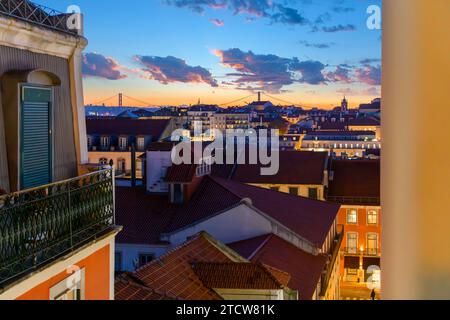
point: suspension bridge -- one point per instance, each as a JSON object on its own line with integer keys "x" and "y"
{"x": 119, "y": 98}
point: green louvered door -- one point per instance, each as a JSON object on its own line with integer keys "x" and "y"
{"x": 36, "y": 141}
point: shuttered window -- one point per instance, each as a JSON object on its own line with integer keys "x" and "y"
{"x": 36, "y": 146}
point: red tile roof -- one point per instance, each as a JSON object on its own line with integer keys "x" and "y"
{"x": 142, "y": 216}
{"x": 305, "y": 269}
{"x": 126, "y": 126}
{"x": 127, "y": 289}
{"x": 296, "y": 167}
{"x": 310, "y": 219}
{"x": 183, "y": 173}
{"x": 232, "y": 275}
{"x": 173, "y": 275}
{"x": 355, "y": 179}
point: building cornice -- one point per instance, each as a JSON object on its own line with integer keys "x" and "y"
{"x": 27, "y": 36}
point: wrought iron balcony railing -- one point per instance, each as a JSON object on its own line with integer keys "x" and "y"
{"x": 34, "y": 13}
{"x": 40, "y": 225}
{"x": 366, "y": 252}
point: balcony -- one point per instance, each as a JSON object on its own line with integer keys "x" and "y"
{"x": 368, "y": 252}
{"x": 36, "y": 14}
{"x": 40, "y": 225}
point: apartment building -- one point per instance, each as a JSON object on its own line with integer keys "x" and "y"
{"x": 355, "y": 185}
{"x": 351, "y": 144}
{"x": 57, "y": 220}
{"x": 112, "y": 139}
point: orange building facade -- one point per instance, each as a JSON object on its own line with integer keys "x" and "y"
{"x": 361, "y": 249}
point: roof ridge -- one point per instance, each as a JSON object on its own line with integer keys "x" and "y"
{"x": 262, "y": 245}
{"x": 264, "y": 189}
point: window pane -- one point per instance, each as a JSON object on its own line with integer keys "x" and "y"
{"x": 352, "y": 216}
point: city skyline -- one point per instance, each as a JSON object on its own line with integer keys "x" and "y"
{"x": 306, "y": 52}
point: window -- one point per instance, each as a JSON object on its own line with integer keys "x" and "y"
{"x": 118, "y": 261}
{"x": 103, "y": 161}
{"x": 145, "y": 258}
{"x": 71, "y": 288}
{"x": 352, "y": 243}
{"x": 352, "y": 216}
{"x": 372, "y": 244}
{"x": 104, "y": 141}
{"x": 141, "y": 143}
{"x": 121, "y": 165}
{"x": 123, "y": 143}
{"x": 313, "y": 193}
{"x": 372, "y": 217}
{"x": 275, "y": 188}
{"x": 293, "y": 191}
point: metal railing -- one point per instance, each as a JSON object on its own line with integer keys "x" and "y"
{"x": 38, "y": 226}
{"x": 375, "y": 252}
{"x": 34, "y": 13}
{"x": 355, "y": 200}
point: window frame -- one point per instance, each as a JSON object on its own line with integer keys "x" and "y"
{"x": 376, "y": 215}
{"x": 348, "y": 214}
{"x": 356, "y": 242}
{"x": 143, "y": 254}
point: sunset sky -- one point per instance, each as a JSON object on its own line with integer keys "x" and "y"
{"x": 173, "y": 52}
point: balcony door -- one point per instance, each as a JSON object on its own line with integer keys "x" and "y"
{"x": 35, "y": 137}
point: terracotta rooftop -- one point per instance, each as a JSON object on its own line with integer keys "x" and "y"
{"x": 296, "y": 167}
{"x": 126, "y": 288}
{"x": 310, "y": 219}
{"x": 355, "y": 178}
{"x": 142, "y": 216}
{"x": 233, "y": 275}
{"x": 172, "y": 274}
{"x": 305, "y": 269}
{"x": 126, "y": 126}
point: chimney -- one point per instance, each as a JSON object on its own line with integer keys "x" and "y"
{"x": 259, "y": 96}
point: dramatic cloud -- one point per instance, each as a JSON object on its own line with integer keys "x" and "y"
{"x": 269, "y": 72}
{"x": 311, "y": 71}
{"x": 369, "y": 75}
{"x": 171, "y": 69}
{"x": 217, "y": 22}
{"x": 288, "y": 15}
{"x": 339, "y": 28}
{"x": 324, "y": 45}
{"x": 341, "y": 74}
{"x": 254, "y": 7}
{"x": 276, "y": 12}
{"x": 97, "y": 65}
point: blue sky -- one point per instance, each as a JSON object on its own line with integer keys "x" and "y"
{"x": 309, "y": 52}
